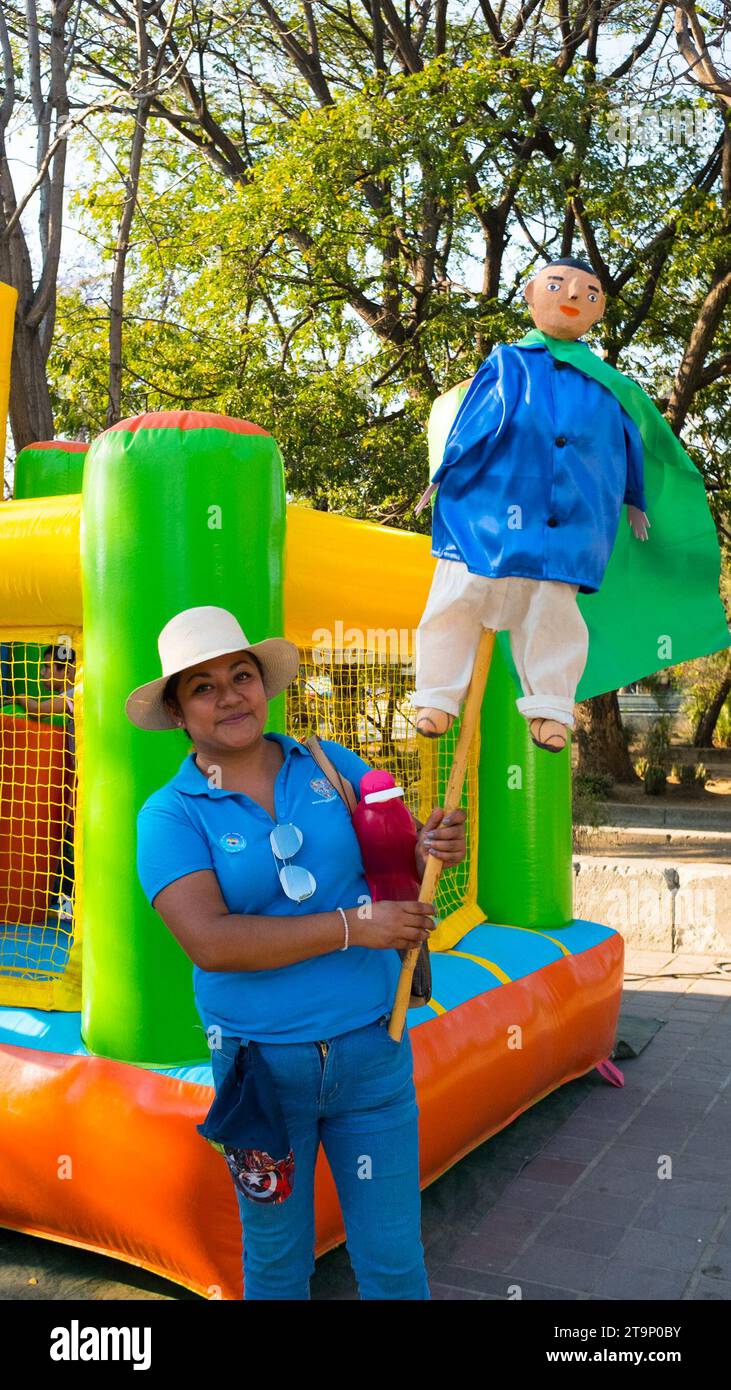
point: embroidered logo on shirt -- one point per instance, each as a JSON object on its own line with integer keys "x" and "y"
{"x": 325, "y": 791}
{"x": 232, "y": 842}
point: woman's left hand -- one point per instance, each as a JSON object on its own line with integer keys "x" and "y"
{"x": 444, "y": 837}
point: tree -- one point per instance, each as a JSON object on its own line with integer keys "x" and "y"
{"x": 31, "y": 415}
{"x": 706, "y": 726}
{"x": 320, "y": 180}
{"x": 417, "y": 137}
{"x": 601, "y": 740}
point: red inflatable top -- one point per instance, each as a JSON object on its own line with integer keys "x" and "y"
{"x": 187, "y": 420}
{"x": 73, "y": 446}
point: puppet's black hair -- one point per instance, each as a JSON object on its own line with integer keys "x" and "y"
{"x": 574, "y": 262}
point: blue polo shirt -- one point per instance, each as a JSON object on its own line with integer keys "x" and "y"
{"x": 187, "y": 825}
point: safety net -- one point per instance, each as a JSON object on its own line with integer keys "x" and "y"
{"x": 360, "y": 698}
{"x": 39, "y": 942}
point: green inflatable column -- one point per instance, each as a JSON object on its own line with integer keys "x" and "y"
{"x": 525, "y": 871}
{"x": 52, "y": 468}
{"x": 179, "y": 510}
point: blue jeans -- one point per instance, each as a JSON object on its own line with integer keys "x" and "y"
{"x": 356, "y": 1095}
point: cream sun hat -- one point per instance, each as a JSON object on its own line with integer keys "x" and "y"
{"x": 200, "y": 634}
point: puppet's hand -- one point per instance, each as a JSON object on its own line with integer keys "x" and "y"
{"x": 638, "y": 522}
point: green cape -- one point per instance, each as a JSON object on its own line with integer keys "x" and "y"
{"x": 659, "y": 602}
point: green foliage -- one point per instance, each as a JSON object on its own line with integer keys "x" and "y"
{"x": 589, "y": 793}
{"x": 656, "y": 745}
{"x": 655, "y": 780}
{"x": 629, "y": 733}
{"x": 316, "y": 266}
{"x": 723, "y": 727}
{"x": 594, "y": 784}
{"x": 701, "y": 681}
{"x": 691, "y": 776}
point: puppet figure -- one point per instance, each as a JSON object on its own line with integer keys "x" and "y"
{"x": 537, "y": 466}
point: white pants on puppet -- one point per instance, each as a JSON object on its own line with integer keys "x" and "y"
{"x": 549, "y": 639}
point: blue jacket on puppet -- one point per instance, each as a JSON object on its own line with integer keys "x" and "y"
{"x": 538, "y": 463}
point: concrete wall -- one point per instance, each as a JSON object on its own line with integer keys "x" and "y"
{"x": 656, "y": 903}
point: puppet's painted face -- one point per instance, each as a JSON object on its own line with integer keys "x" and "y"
{"x": 564, "y": 302}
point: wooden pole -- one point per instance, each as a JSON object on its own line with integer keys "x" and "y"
{"x": 458, "y": 772}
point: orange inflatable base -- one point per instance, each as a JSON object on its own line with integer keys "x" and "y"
{"x": 105, "y": 1156}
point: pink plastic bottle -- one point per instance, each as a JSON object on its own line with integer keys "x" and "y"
{"x": 386, "y": 833}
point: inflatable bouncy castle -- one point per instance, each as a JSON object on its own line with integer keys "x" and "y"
{"x": 104, "y": 1070}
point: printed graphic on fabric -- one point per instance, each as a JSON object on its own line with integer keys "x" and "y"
{"x": 325, "y": 792}
{"x": 232, "y": 842}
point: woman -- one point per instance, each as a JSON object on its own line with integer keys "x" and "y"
{"x": 301, "y": 964}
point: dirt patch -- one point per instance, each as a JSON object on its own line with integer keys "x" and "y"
{"x": 715, "y": 796}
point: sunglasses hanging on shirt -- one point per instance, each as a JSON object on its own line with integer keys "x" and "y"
{"x": 298, "y": 883}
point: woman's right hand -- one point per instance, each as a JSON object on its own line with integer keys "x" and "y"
{"x": 389, "y": 925}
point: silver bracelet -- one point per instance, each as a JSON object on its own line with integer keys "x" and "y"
{"x": 345, "y": 921}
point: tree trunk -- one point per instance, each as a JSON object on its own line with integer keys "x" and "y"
{"x": 600, "y": 738}
{"x": 704, "y": 731}
{"x": 50, "y": 55}
{"x": 31, "y": 413}
{"x": 116, "y": 310}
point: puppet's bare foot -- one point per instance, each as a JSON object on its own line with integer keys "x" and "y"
{"x": 432, "y": 723}
{"x": 548, "y": 733}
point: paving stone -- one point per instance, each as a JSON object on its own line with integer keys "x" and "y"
{"x": 689, "y": 1190}
{"x": 694, "y": 1009}
{"x": 560, "y": 1172}
{"x": 477, "y": 1281}
{"x": 665, "y": 1136}
{"x": 659, "y": 1250}
{"x": 674, "y": 1218}
{"x": 697, "y": 1093}
{"x": 580, "y": 1233}
{"x": 568, "y": 1269}
{"x": 710, "y": 1146}
{"x": 497, "y": 1287}
{"x": 709, "y": 1168}
{"x": 712, "y": 1291}
{"x": 533, "y": 1196}
{"x": 712, "y": 1074}
{"x": 618, "y": 1108}
{"x": 640, "y": 1282}
{"x": 444, "y": 1292}
{"x": 573, "y": 1147}
{"x": 716, "y": 1262}
{"x": 619, "y": 1207}
{"x": 714, "y": 1132}
{"x": 549, "y": 1293}
{"x": 486, "y": 1254}
{"x": 586, "y": 1127}
{"x": 629, "y": 1153}
{"x": 683, "y": 1031}
{"x": 609, "y": 1176}
{"x": 506, "y": 1222}
{"x": 667, "y": 1105}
